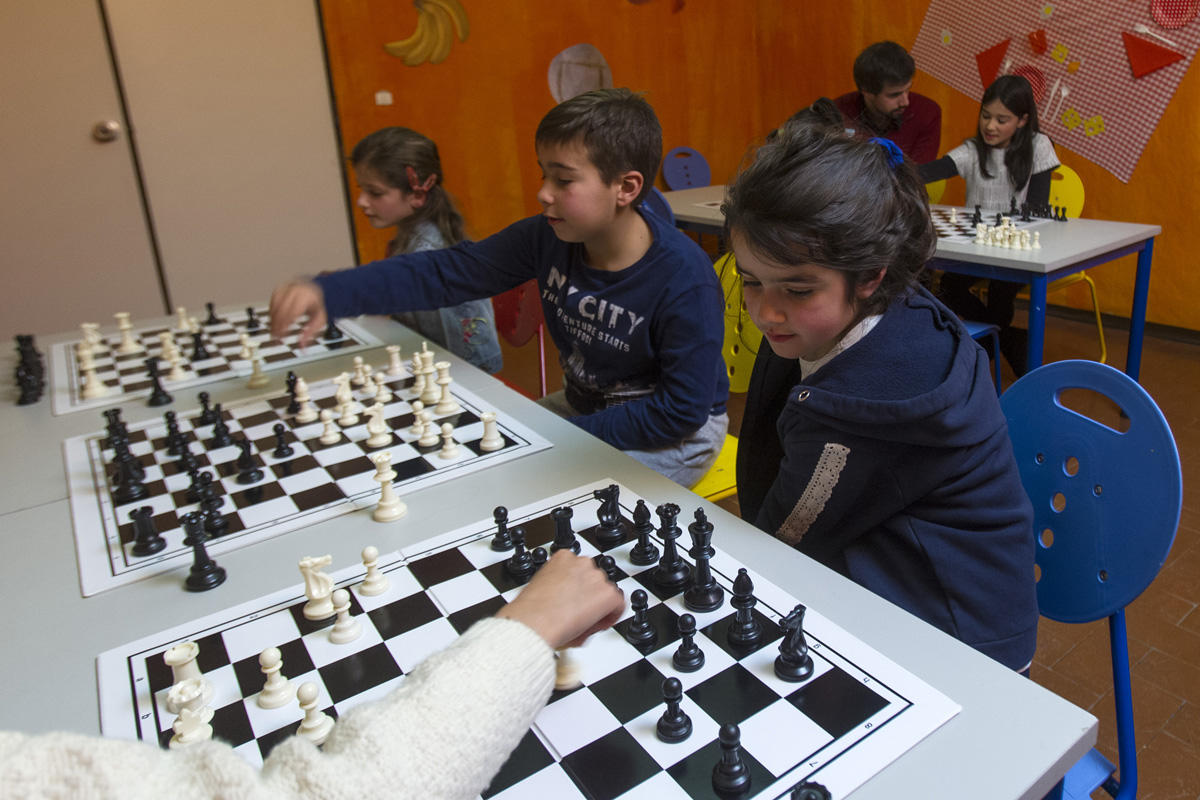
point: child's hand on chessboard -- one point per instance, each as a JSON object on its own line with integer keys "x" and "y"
{"x": 568, "y": 600}
{"x": 291, "y": 301}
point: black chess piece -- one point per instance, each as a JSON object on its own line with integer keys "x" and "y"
{"x": 520, "y": 563}
{"x": 609, "y": 532}
{"x": 609, "y": 565}
{"x": 176, "y": 443}
{"x": 204, "y": 574}
{"x": 248, "y": 471}
{"x": 977, "y": 217}
{"x": 674, "y": 725}
{"x": 212, "y": 318}
{"x": 332, "y": 331}
{"x": 793, "y": 664}
{"x": 1012, "y": 205}
{"x": 999, "y": 219}
{"x": 210, "y": 506}
{"x": 705, "y": 594}
{"x": 193, "y": 489}
{"x": 146, "y": 541}
{"x": 199, "y": 351}
{"x": 811, "y": 791}
{"x": 540, "y": 557}
{"x": 645, "y": 552}
{"x": 1062, "y": 214}
{"x": 252, "y": 323}
{"x": 688, "y": 657}
{"x": 731, "y": 776}
{"x": 129, "y": 486}
{"x": 158, "y": 395}
{"x": 207, "y": 415}
{"x": 220, "y": 431}
{"x": 282, "y": 448}
{"x": 744, "y": 629}
{"x": 501, "y": 541}
{"x": 640, "y": 632}
{"x": 564, "y": 535}
{"x": 293, "y": 406}
{"x": 672, "y": 572}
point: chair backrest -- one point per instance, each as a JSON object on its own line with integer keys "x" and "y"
{"x": 1106, "y": 503}
{"x": 683, "y": 168}
{"x": 657, "y": 203}
{"x": 1066, "y": 190}
{"x": 518, "y": 313}
{"x": 742, "y": 338}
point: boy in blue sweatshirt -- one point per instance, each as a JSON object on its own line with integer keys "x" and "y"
{"x": 632, "y": 304}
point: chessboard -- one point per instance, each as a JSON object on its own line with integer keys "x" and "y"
{"x": 314, "y": 482}
{"x": 962, "y": 230}
{"x": 853, "y": 715}
{"x": 127, "y": 378}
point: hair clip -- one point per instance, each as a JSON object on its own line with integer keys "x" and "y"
{"x": 894, "y": 156}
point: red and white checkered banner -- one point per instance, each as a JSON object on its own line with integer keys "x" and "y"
{"x": 1102, "y": 71}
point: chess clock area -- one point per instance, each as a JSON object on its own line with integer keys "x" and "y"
{"x": 56, "y": 635}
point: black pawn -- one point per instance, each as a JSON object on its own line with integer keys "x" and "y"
{"x": 204, "y": 574}
{"x": 252, "y": 323}
{"x": 674, "y": 725}
{"x": 212, "y": 319}
{"x": 793, "y": 664}
{"x": 645, "y": 552}
{"x": 640, "y": 632}
{"x": 207, "y": 415}
{"x": 210, "y": 506}
{"x": 540, "y": 557}
{"x": 704, "y": 594}
{"x": 199, "y": 351}
{"x": 193, "y": 490}
{"x": 158, "y": 395}
{"x": 564, "y": 536}
{"x": 520, "y": 563}
{"x": 332, "y": 331}
{"x": 121, "y": 453}
{"x": 248, "y": 471}
{"x": 811, "y": 791}
{"x": 282, "y": 448}
{"x": 672, "y": 572}
{"x": 609, "y": 532}
{"x": 501, "y": 541}
{"x": 146, "y": 541}
{"x": 1012, "y": 206}
{"x": 688, "y": 656}
{"x": 129, "y": 480}
{"x": 293, "y": 406}
{"x": 977, "y": 217}
{"x": 731, "y": 775}
{"x": 176, "y": 444}
{"x": 609, "y": 565}
{"x": 220, "y": 431}
{"x": 744, "y": 630}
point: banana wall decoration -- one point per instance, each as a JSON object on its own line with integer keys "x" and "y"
{"x": 438, "y": 22}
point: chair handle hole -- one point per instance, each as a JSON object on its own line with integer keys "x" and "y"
{"x": 1046, "y": 538}
{"x": 1102, "y": 575}
{"x": 1097, "y": 407}
{"x": 1097, "y": 490}
{"x": 1040, "y": 458}
{"x": 1071, "y": 466}
{"x": 1058, "y": 502}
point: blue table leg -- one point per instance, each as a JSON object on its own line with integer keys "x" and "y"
{"x": 1137, "y": 315}
{"x": 1037, "y": 319}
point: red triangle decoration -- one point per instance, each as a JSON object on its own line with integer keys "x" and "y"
{"x": 989, "y": 62}
{"x": 1146, "y": 56}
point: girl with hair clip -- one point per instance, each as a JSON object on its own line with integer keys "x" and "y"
{"x": 1020, "y": 173}
{"x": 400, "y": 177}
{"x": 873, "y": 440}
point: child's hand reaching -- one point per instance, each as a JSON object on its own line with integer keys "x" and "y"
{"x": 293, "y": 300}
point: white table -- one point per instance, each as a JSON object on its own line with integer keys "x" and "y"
{"x": 1067, "y": 248}
{"x": 1012, "y": 739}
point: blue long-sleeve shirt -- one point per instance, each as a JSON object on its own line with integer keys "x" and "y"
{"x": 643, "y": 343}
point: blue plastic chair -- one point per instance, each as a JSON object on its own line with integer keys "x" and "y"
{"x": 1106, "y": 507}
{"x": 685, "y": 168}
{"x": 984, "y": 330}
{"x": 658, "y": 205}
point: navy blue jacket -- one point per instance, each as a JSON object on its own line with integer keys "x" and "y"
{"x": 892, "y": 465}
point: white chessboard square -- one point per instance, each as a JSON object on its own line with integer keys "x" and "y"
{"x": 249, "y": 751}
{"x": 360, "y": 483}
{"x": 267, "y": 511}
{"x": 645, "y": 730}
{"x": 603, "y": 654}
{"x": 337, "y": 454}
{"x": 660, "y": 786}
{"x": 265, "y": 720}
{"x": 293, "y": 484}
{"x": 761, "y": 664}
{"x": 225, "y": 691}
{"x": 481, "y": 554}
{"x": 324, "y": 652}
{"x": 716, "y": 660}
{"x": 412, "y": 647}
{"x": 377, "y": 692}
{"x": 463, "y": 591}
{"x": 469, "y": 433}
{"x": 573, "y": 721}
{"x": 703, "y": 618}
{"x": 160, "y": 503}
{"x": 761, "y": 736}
{"x": 245, "y": 640}
{"x": 549, "y": 782}
{"x": 461, "y": 453}
{"x": 401, "y": 584}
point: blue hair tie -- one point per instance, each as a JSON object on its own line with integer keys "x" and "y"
{"x": 894, "y": 157}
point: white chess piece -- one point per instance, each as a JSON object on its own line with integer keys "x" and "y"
{"x": 953, "y": 216}
{"x": 395, "y": 364}
{"x": 181, "y": 319}
{"x": 308, "y": 411}
{"x": 446, "y": 402}
{"x": 357, "y": 378}
{"x": 390, "y": 506}
{"x": 317, "y": 587}
{"x": 194, "y": 714}
{"x": 429, "y": 436}
{"x": 382, "y": 393}
{"x": 92, "y": 385}
{"x": 182, "y": 660}
{"x": 431, "y": 392}
{"x": 368, "y": 385}
{"x": 566, "y": 671}
{"x": 277, "y": 690}
{"x": 492, "y": 440}
{"x": 418, "y": 427}
{"x": 1037, "y": 240}
{"x": 347, "y": 415}
{"x": 418, "y": 384}
{"x": 347, "y": 628}
{"x": 246, "y": 353}
{"x": 258, "y": 378}
{"x": 176, "y": 372}
{"x": 449, "y": 447}
{"x": 330, "y": 433}
{"x": 1025, "y": 240}
{"x": 380, "y": 433}
{"x": 980, "y": 233}
{"x": 127, "y": 344}
{"x": 316, "y": 724}
{"x": 374, "y": 582}
{"x": 344, "y": 394}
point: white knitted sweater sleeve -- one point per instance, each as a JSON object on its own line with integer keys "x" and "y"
{"x": 443, "y": 733}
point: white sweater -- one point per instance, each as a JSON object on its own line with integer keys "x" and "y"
{"x": 443, "y": 733}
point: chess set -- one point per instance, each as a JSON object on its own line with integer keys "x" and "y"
{"x": 304, "y": 475}
{"x": 836, "y": 723}
{"x": 125, "y": 375}
{"x": 961, "y": 229}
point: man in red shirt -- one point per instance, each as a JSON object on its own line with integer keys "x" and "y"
{"x": 885, "y": 106}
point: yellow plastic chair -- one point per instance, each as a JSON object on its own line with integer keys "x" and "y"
{"x": 739, "y": 350}
{"x": 1066, "y": 190}
{"x": 935, "y": 190}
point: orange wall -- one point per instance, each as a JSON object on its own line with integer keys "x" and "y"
{"x": 719, "y": 74}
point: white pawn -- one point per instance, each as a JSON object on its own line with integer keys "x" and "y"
{"x": 316, "y": 724}
{"x": 492, "y": 440}
{"x": 449, "y": 448}
{"x": 181, "y": 319}
{"x": 953, "y": 216}
{"x": 176, "y": 372}
{"x": 278, "y": 690}
{"x": 258, "y": 378}
{"x": 395, "y": 365}
{"x": 357, "y": 378}
{"x": 92, "y": 385}
{"x": 374, "y": 582}
{"x": 194, "y": 714}
{"x": 347, "y": 628}
{"x": 307, "y": 412}
{"x": 348, "y": 415}
{"x": 429, "y": 438}
{"x": 380, "y": 433}
{"x": 246, "y": 353}
{"x": 390, "y": 506}
{"x": 127, "y": 344}
{"x": 1037, "y": 240}
{"x": 368, "y": 385}
{"x": 330, "y": 434}
{"x": 418, "y": 426}
{"x": 382, "y": 393}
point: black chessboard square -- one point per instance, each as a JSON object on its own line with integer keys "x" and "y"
{"x": 230, "y": 468}
{"x": 836, "y": 701}
{"x": 267, "y": 443}
{"x": 318, "y": 496}
{"x": 440, "y": 567}
{"x": 249, "y": 674}
{"x": 631, "y": 691}
{"x": 411, "y": 468}
{"x": 530, "y": 756}
{"x": 610, "y": 766}
{"x": 646, "y": 579}
{"x": 626, "y": 526}
{"x": 273, "y": 357}
{"x": 212, "y": 656}
{"x": 732, "y": 695}
{"x": 400, "y": 422}
{"x": 665, "y": 623}
{"x": 286, "y": 469}
{"x": 403, "y": 615}
{"x": 474, "y": 447}
{"x": 165, "y": 521}
{"x": 719, "y": 633}
{"x": 694, "y": 773}
{"x": 259, "y": 419}
{"x": 460, "y": 419}
{"x": 354, "y": 466}
{"x": 160, "y": 443}
{"x": 359, "y": 671}
{"x": 539, "y": 531}
{"x": 306, "y": 625}
{"x": 267, "y": 742}
{"x": 257, "y": 494}
{"x": 497, "y": 574}
{"x": 231, "y": 724}
{"x": 465, "y": 618}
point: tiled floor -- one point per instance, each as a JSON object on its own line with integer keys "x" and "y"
{"x": 1164, "y": 623}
